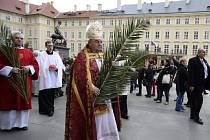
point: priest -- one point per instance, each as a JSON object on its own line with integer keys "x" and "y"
{"x": 86, "y": 120}
{"x": 14, "y": 109}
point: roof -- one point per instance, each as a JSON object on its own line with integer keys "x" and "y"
{"x": 158, "y": 8}
{"x": 18, "y": 7}
{"x": 77, "y": 14}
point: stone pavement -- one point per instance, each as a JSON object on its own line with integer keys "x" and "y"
{"x": 148, "y": 121}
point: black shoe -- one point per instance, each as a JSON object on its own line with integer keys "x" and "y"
{"x": 138, "y": 94}
{"x": 205, "y": 93}
{"x": 158, "y": 101}
{"x": 60, "y": 95}
{"x": 155, "y": 99}
{"x": 148, "y": 96}
{"x": 34, "y": 95}
{"x": 6, "y": 130}
{"x": 199, "y": 121}
{"x": 23, "y": 128}
{"x": 125, "y": 117}
{"x": 50, "y": 114}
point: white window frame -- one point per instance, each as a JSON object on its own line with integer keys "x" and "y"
{"x": 166, "y": 49}
{"x": 206, "y": 34}
{"x": 195, "y": 34}
{"x": 196, "y": 20}
{"x": 195, "y": 49}
{"x": 186, "y": 35}
{"x": 157, "y": 35}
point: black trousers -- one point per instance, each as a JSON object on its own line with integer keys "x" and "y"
{"x": 196, "y": 102}
{"x": 189, "y": 97}
{"x": 164, "y": 88}
{"x": 140, "y": 86}
{"x": 46, "y": 100}
{"x": 123, "y": 106}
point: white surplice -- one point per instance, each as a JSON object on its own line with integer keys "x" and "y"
{"x": 50, "y": 79}
{"x": 13, "y": 118}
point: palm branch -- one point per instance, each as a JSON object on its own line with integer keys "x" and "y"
{"x": 113, "y": 79}
{"x": 18, "y": 81}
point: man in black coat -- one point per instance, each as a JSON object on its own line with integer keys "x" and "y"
{"x": 199, "y": 74}
{"x": 140, "y": 71}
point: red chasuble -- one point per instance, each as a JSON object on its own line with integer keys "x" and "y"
{"x": 80, "y": 119}
{"x": 9, "y": 98}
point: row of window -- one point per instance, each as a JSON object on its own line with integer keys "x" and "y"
{"x": 178, "y": 34}
{"x": 157, "y": 21}
{"x": 26, "y": 20}
{"x": 178, "y": 49}
{"x": 183, "y": 21}
{"x": 18, "y": 19}
{"x": 147, "y": 35}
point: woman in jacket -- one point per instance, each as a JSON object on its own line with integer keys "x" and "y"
{"x": 181, "y": 83}
{"x": 165, "y": 87}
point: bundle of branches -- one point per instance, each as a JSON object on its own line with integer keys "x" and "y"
{"x": 18, "y": 81}
{"x": 113, "y": 79}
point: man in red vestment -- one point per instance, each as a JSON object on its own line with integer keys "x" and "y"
{"x": 84, "y": 119}
{"x": 14, "y": 109}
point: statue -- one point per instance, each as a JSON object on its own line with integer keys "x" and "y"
{"x": 57, "y": 37}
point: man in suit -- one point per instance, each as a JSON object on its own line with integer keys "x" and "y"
{"x": 199, "y": 74}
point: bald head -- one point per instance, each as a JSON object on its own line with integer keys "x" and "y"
{"x": 201, "y": 53}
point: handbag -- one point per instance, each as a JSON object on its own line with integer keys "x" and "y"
{"x": 166, "y": 79}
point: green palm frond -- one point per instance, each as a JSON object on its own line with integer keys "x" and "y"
{"x": 18, "y": 81}
{"x": 113, "y": 79}
{"x": 6, "y": 46}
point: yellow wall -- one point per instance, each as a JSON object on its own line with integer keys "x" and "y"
{"x": 39, "y": 25}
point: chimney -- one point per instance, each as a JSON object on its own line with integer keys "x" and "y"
{"x": 139, "y": 5}
{"x": 99, "y": 7}
{"x": 27, "y": 10}
{"x": 75, "y": 8}
{"x": 118, "y": 5}
{"x": 52, "y": 3}
{"x": 166, "y": 4}
{"x": 187, "y": 1}
{"x": 88, "y": 7}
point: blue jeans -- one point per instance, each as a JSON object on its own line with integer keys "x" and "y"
{"x": 179, "y": 101}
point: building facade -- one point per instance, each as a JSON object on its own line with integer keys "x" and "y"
{"x": 176, "y": 27}
{"x": 36, "y": 22}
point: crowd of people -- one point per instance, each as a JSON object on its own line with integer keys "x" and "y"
{"x": 84, "y": 119}
{"x": 192, "y": 78}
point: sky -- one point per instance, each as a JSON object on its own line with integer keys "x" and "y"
{"x": 68, "y": 5}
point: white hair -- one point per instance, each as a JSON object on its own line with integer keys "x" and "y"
{"x": 14, "y": 33}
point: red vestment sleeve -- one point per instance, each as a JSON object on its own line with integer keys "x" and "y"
{"x": 76, "y": 122}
